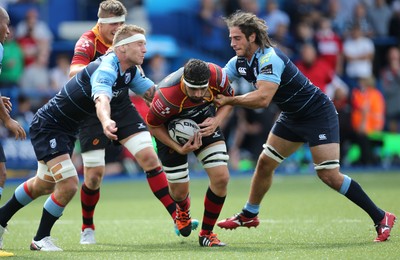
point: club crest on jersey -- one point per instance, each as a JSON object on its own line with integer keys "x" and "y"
{"x": 128, "y": 77}
{"x": 53, "y": 143}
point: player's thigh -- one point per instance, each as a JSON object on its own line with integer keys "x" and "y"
{"x": 283, "y": 146}
{"x": 325, "y": 152}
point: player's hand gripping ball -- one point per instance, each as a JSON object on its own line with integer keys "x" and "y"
{"x": 180, "y": 130}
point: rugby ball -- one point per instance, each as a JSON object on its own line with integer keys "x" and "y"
{"x": 180, "y": 130}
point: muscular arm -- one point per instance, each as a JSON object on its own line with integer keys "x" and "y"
{"x": 103, "y": 111}
{"x": 74, "y": 69}
{"x": 259, "y": 98}
{"x": 149, "y": 95}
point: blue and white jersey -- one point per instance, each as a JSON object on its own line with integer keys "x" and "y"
{"x": 75, "y": 101}
{"x": 296, "y": 95}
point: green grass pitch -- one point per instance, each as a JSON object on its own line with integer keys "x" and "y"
{"x": 301, "y": 218}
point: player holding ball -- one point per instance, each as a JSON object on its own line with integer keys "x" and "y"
{"x": 188, "y": 93}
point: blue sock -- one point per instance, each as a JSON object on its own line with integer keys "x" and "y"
{"x": 252, "y": 208}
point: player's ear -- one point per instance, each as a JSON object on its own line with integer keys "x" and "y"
{"x": 252, "y": 37}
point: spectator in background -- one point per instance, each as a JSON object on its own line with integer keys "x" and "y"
{"x": 283, "y": 38}
{"x": 38, "y": 29}
{"x": 329, "y": 45}
{"x": 379, "y": 14}
{"x": 158, "y": 68}
{"x": 29, "y": 46}
{"x": 359, "y": 54}
{"x": 360, "y": 18}
{"x": 212, "y": 29}
{"x": 35, "y": 81}
{"x": 390, "y": 80}
{"x": 275, "y": 17}
{"x": 367, "y": 117}
{"x": 59, "y": 75}
{"x": 394, "y": 23}
{"x": 304, "y": 33}
{"x": 314, "y": 68}
{"x": 24, "y": 114}
{"x": 337, "y": 17}
{"x": 250, "y": 6}
{"x": 13, "y": 63}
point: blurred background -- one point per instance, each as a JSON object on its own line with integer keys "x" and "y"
{"x": 348, "y": 48}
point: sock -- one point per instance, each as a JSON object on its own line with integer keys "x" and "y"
{"x": 52, "y": 211}
{"x": 159, "y": 186}
{"x": 212, "y": 208}
{"x": 357, "y": 195}
{"x": 20, "y": 199}
{"x": 250, "y": 210}
{"x": 184, "y": 204}
{"x": 89, "y": 199}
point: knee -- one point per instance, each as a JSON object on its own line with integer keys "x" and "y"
{"x": 332, "y": 178}
{"x": 266, "y": 165}
{"x": 93, "y": 177}
{"x": 66, "y": 189}
{"x": 148, "y": 160}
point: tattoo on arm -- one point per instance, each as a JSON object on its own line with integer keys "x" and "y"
{"x": 149, "y": 94}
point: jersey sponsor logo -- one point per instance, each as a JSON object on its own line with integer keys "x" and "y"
{"x": 267, "y": 69}
{"x": 53, "y": 143}
{"x": 242, "y": 70}
{"x": 322, "y": 137}
{"x": 128, "y": 77}
{"x": 265, "y": 58}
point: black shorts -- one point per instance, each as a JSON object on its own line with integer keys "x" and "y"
{"x": 171, "y": 158}
{"x": 322, "y": 127}
{"x": 2, "y": 155}
{"x": 128, "y": 120}
{"x": 49, "y": 140}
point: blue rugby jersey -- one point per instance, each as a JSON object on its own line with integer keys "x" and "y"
{"x": 75, "y": 101}
{"x": 296, "y": 95}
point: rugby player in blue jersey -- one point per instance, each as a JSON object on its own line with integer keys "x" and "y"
{"x": 96, "y": 90}
{"x": 308, "y": 116}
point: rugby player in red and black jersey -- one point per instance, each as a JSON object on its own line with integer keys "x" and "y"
{"x": 189, "y": 93}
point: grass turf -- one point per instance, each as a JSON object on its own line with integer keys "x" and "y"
{"x": 301, "y": 218}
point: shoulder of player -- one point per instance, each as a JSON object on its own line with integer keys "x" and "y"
{"x": 171, "y": 94}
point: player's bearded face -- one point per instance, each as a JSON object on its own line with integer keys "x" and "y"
{"x": 196, "y": 94}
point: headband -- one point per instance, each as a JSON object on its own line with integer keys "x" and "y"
{"x": 190, "y": 85}
{"x": 133, "y": 38}
{"x": 114, "y": 19}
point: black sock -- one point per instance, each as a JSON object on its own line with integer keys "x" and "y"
{"x": 46, "y": 224}
{"x": 356, "y": 194}
{"x": 8, "y": 210}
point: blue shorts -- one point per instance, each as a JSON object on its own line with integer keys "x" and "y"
{"x": 322, "y": 127}
{"x": 50, "y": 140}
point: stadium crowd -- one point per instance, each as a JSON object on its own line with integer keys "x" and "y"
{"x": 348, "y": 48}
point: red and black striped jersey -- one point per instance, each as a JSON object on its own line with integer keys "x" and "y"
{"x": 89, "y": 47}
{"x": 171, "y": 100}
